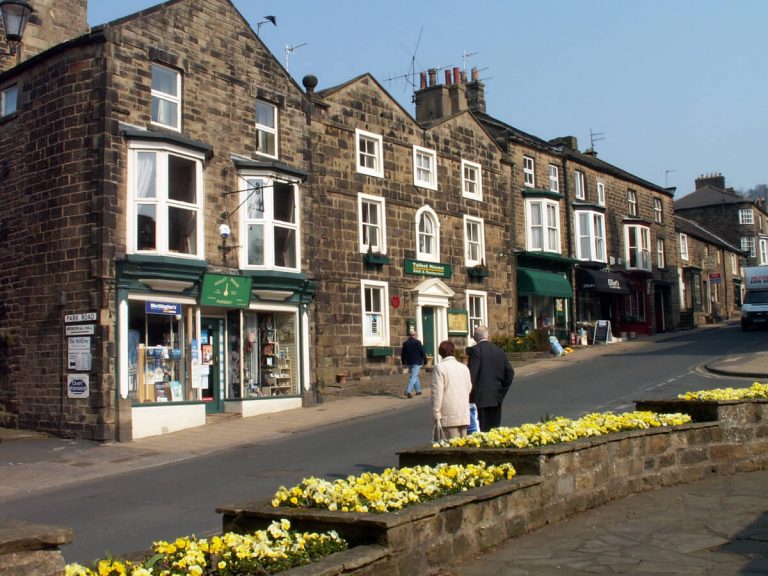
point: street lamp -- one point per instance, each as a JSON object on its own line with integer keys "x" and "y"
{"x": 15, "y": 14}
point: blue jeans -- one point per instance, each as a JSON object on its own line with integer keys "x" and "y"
{"x": 414, "y": 385}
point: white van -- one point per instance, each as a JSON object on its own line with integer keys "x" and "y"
{"x": 754, "y": 310}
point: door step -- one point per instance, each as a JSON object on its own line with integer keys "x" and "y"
{"x": 222, "y": 417}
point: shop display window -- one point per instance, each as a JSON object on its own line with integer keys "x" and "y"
{"x": 159, "y": 352}
{"x": 270, "y": 352}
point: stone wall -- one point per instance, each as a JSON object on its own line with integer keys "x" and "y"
{"x": 27, "y": 548}
{"x": 553, "y": 483}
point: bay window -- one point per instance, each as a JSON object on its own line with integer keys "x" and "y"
{"x": 543, "y": 219}
{"x": 590, "y": 234}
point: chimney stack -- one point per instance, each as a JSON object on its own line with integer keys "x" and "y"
{"x": 716, "y": 180}
{"x": 476, "y": 93}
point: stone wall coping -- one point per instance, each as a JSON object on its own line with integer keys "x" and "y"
{"x": 344, "y": 562}
{"x": 684, "y": 401}
{"x": 387, "y": 520}
{"x": 21, "y": 536}
{"x": 563, "y": 447}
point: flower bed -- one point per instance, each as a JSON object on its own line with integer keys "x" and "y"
{"x": 269, "y": 551}
{"x": 754, "y": 392}
{"x": 393, "y": 489}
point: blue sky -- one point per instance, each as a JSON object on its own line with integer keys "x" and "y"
{"x": 676, "y": 87}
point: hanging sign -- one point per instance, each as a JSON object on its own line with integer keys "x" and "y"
{"x": 226, "y": 291}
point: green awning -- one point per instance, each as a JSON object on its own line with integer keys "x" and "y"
{"x": 543, "y": 283}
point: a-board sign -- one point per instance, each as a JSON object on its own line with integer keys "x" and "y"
{"x": 602, "y": 332}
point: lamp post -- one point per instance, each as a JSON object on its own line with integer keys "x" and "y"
{"x": 15, "y": 14}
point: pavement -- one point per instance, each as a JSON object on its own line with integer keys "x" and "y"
{"x": 678, "y": 530}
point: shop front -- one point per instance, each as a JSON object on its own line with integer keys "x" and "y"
{"x": 543, "y": 301}
{"x": 193, "y": 343}
{"x": 636, "y": 316}
{"x": 599, "y": 295}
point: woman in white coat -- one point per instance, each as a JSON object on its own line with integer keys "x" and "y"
{"x": 451, "y": 385}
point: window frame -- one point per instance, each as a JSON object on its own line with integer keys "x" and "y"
{"x": 579, "y": 185}
{"x": 434, "y": 256}
{"x": 546, "y": 227}
{"x": 380, "y": 202}
{"x": 272, "y": 131}
{"x": 4, "y": 100}
{"x": 468, "y": 243}
{"x": 554, "y": 178}
{"x": 746, "y": 216}
{"x": 177, "y": 99}
{"x": 161, "y": 201}
{"x": 734, "y": 264}
{"x": 420, "y": 151}
{"x": 382, "y": 337}
{"x": 642, "y": 249}
{"x": 474, "y": 321}
{"x": 750, "y": 245}
{"x": 658, "y": 211}
{"x": 595, "y": 240}
{"x": 269, "y": 222}
{"x": 601, "y": 193}
{"x": 762, "y": 250}
{"x": 466, "y": 165}
{"x": 682, "y": 240}
{"x": 661, "y": 257}
{"x": 378, "y": 155}
{"x": 529, "y": 172}
{"x": 631, "y": 202}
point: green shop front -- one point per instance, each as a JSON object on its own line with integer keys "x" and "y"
{"x": 193, "y": 342}
{"x": 544, "y": 293}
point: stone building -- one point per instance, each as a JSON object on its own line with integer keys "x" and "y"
{"x": 738, "y": 220}
{"x": 153, "y": 262}
{"x": 710, "y": 274}
{"x": 409, "y": 230}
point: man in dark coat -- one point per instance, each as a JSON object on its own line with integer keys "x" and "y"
{"x": 413, "y": 356}
{"x": 491, "y": 375}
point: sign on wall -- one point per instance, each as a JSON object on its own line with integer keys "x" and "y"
{"x": 421, "y": 268}
{"x": 226, "y": 291}
{"x": 77, "y": 385}
{"x": 458, "y": 323}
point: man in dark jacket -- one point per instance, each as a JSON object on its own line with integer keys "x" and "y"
{"x": 491, "y": 375}
{"x": 413, "y": 356}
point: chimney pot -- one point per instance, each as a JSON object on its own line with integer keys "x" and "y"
{"x": 432, "y": 76}
{"x": 456, "y": 75}
{"x": 447, "y": 77}
{"x": 423, "y": 76}
{"x": 475, "y": 75}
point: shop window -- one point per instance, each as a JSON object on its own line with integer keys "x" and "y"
{"x": 166, "y": 189}
{"x": 270, "y": 354}
{"x": 635, "y": 306}
{"x": 160, "y": 337}
{"x": 271, "y": 224}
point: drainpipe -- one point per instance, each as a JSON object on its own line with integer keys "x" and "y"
{"x": 569, "y": 239}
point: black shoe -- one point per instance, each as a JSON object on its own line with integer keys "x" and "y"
{"x": 408, "y": 395}
{"x": 418, "y": 393}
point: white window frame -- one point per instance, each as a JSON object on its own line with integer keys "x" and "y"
{"x": 269, "y": 222}
{"x": 763, "y": 250}
{"x": 734, "y": 264}
{"x": 419, "y": 171}
{"x": 594, "y": 233}
{"x": 601, "y": 193}
{"x": 632, "y": 202}
{"x": 658, "y": 211}
{"x": 161, "y": 201}
{"x": 362, "y": 200}
{"x": 554, "y": 178}
{"x": 548, "y": 209}
{"x": 479, "y": 225}
{"x": 381, "y": 336}
{"x": 176, "y": 99}
{"x": 683, "y": 243}
{"x": 376, "y": 157}
{"x": 269, "y": 131}
{"x": 748, "y": 245}
{"x": 474, "y": 319}
{"x": 643, "y": 247}
{"x": 661, "y": 261}
{"x": 746, "y": 216}
{"x": 9, "y": 100}
{"x": 471, "y": 177}
{"x": 434, "y": 255}
{"x": 529, "y": 172}
{"x": 579, "y": 185}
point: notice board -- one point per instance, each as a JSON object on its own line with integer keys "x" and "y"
{"x": 602, "y": 332}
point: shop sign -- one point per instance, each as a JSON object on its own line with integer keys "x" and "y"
{"x": 84, "y": 317}
{"x": 164, "y": 308}
{"x": 421, "y": 268}
{"x": 79, "y": 353}
{"x": 226, "y": 291}
{"x": 77, "y": 385}
{"x": 715, "y": 278}
{"x": 79, "y": 330}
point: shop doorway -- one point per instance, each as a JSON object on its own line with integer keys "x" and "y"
{"x": 428, "y": 329}
{"x": 212, "y": 373}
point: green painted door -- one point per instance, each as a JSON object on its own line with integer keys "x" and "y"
{"x": 212, "y": 340}
{"x": 428, "y": 329}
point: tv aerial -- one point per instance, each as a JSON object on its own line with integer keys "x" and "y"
{"x": 410, "y": 77}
